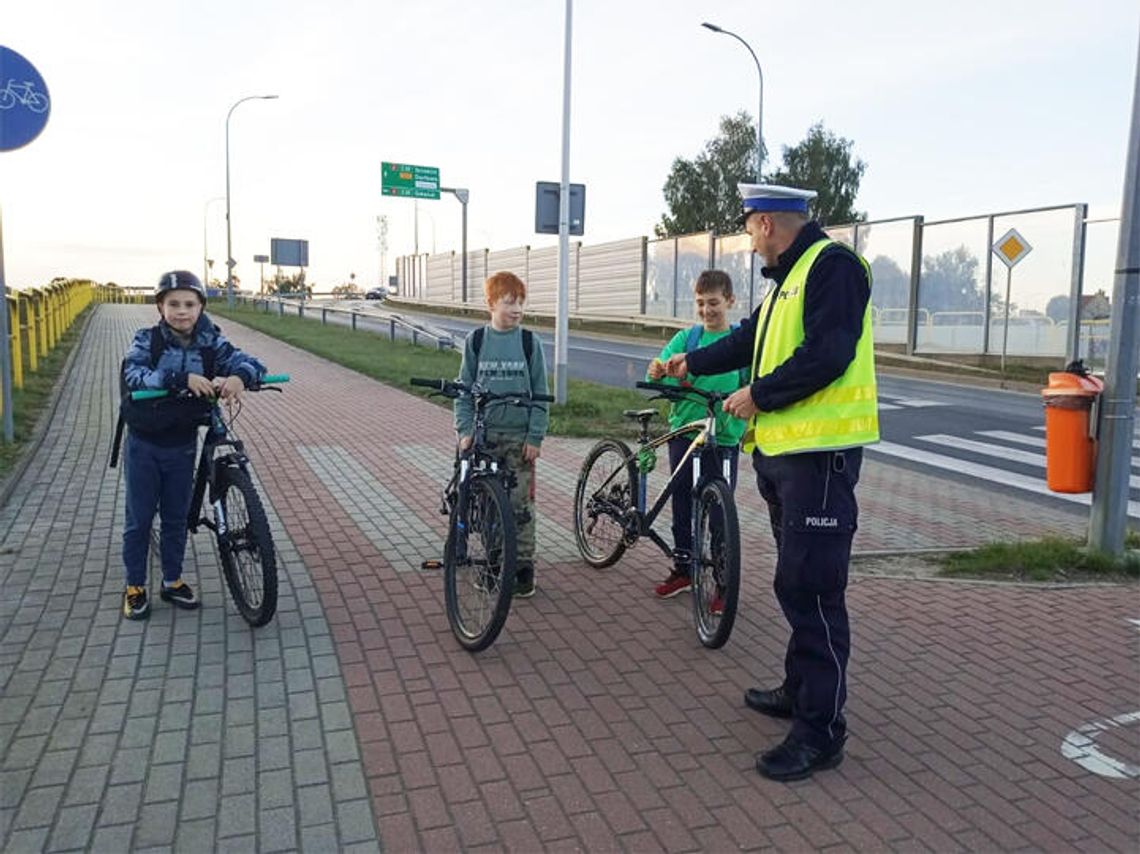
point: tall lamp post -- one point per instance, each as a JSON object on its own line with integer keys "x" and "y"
{"x": 205, "y": 251}
{"x": 229, "y": 250}
{"x": 760, "y": 108}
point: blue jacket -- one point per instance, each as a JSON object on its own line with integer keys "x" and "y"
{"x": 176, "y": 363}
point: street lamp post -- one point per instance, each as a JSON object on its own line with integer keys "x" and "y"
{"x": 205, "y": 251}
{"x": 760, "y": 107}
{"x": 229, "y": 249}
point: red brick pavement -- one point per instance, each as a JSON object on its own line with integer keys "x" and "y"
{"x": 598, "y": 722}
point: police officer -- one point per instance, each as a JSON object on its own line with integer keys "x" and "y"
{"x": 810, "y": 409}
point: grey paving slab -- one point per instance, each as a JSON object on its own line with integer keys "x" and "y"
{"x": 122, "y": 735}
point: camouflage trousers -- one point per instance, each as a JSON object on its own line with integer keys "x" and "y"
{"x": 510, "y": 448}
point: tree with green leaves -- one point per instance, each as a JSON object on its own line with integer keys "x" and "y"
{"x": 701, "y": 194}
{"x": 823, "y": 162}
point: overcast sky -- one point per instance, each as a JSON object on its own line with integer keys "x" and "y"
{"x": 957, "y": 108}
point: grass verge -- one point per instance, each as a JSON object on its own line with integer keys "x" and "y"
{"x": 591, "y": 410}
{"x": 1050, "y": 559}
{"x": 28, "y": 403}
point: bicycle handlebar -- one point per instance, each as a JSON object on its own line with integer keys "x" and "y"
{"x": 451, "y": 388}
{"x": 675, "y": 391}
{"x": 154, "y": 393}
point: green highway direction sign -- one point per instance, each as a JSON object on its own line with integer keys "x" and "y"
{"x": 416, "y": 182}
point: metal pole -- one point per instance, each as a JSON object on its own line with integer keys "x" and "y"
{"x": 1110, "y": 491}
{"x": 1005, "y": 333}
{"x": 1076, "y": 288}
{"x": 463, "y": 201}
{"x": 205, "y": 249}
{"x": 229, "y": 242}
{"x": 561, "y": 330}
{"x": 5, "y": 349}
{"x": 760, "y": 105}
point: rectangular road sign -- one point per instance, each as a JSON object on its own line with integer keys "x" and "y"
{"x": 403, "y": 179}
{"x": 289, "y": 253}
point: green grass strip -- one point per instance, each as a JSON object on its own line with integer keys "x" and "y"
{"x": 591, "y": 409}
{"x": 28, "y": 403}
{"x": 1048, "y": 559}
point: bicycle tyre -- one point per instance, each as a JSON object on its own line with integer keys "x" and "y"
{"x": 479, "y": 563}
{"x": 610, "y": 510}
{"x": 716, "y": 562}
{"x": 249, "y": 559}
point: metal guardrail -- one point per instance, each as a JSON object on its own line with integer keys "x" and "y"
{"x": 307, "y": 309}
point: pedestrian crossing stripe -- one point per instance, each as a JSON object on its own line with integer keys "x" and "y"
{"x": 1015, "y": 455}
{"x": 995, "y": 475}
{"x": 907, "y": 403}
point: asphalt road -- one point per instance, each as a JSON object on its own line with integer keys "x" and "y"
{"x": 960, "y": 431}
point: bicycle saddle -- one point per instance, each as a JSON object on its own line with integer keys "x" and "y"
{"x": 644, "y": 415}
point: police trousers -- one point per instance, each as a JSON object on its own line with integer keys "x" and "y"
{"x": 814, "y": 515}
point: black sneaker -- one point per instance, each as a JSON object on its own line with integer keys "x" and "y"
{"x": 180, "y": 594}
{"x": 135, "y": 604}
{"x": 524, "y": 582}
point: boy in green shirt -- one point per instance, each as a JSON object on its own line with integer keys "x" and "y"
{"x": 714, "y": 298}
{"x": 505, "y": 358}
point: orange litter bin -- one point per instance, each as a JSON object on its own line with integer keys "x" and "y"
{"x": 1070, "y": 446}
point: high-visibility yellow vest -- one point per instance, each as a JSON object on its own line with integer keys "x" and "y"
{"x": 844, "y": 414}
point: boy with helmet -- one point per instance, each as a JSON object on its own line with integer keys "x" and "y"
{"x": 184, "y": 351}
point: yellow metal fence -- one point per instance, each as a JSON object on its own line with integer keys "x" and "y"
{"x": 38, "y": 318}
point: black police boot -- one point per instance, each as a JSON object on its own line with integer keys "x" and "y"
{"x": 798, "y": 760}
{"x": 777, "y": 703}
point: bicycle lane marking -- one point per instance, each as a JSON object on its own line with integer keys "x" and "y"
{"x": 393, "y": 527}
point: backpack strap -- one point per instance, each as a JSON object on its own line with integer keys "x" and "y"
{"x": 527, "y": 343}
{"x": 693, "y": 342}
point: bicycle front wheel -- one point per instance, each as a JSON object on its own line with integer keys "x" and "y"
{"x": 603, "y": 501}
{"x": 716, "y": 563}
{"x": 249, "y": 560}
{"x": 479, "y": 563}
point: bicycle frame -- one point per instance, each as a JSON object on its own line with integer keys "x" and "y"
{"x": 218, "y": 436}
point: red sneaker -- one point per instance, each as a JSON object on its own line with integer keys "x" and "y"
{"x": 677, "y": 582}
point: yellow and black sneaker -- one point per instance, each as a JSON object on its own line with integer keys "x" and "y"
{"x": 135, "y": 604}
{"x": 180, "y": 594}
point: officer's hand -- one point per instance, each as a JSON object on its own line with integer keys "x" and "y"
{"x": 229, "y": 388}
{"x": 199, "y": 386}
{"x": 677, "y": 367}
{"x": 530, "y": 452}
{"x": 465, "y": 443}
{"x": 656, "y": 369}
{"x": 740, "y": 404}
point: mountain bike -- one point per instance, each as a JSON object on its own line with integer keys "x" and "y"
{"x": 611, "y": 500}
{"x": 238, "y": 520}
{"x": 479, "y": 555}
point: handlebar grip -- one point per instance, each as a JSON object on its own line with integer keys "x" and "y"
{"x": 434, "y": 384}
{"x": 149, "y": 393}
{"x": 274, "y": 378}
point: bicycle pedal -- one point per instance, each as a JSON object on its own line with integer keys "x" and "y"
{"x": 431, "y": 564}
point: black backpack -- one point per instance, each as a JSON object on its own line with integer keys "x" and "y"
{"x": 161, "y": 414}
{"x": 527, "y": 338}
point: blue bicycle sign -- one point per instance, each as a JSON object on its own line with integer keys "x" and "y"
{"x": 24, "y": 101}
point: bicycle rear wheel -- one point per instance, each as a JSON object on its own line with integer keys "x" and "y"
{"x": 249, "y": 560}
{"x": 603, "y": 499}
{"x": 479, "y": 564}
{"x": 716, "y": 563}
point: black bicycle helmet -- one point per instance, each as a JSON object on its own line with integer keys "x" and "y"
{"x": 179, "y": 280}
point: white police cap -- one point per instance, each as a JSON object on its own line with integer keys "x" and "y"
{"x": 765, "y": 198}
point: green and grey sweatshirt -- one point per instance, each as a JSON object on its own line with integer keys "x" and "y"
{"x": 502, "y": 368}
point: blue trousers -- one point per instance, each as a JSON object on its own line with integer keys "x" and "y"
{"x": 158, "y": 479}
{"x": 682, "y": 501}
{"x": 814, "y": 514}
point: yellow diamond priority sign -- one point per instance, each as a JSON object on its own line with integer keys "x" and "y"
{"x": 1011, "y": 247}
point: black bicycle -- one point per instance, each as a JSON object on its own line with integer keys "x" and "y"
{"x": 610, "y": 503}
{"x": 239, "y": 523}
{"x": 479, "y": 555}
